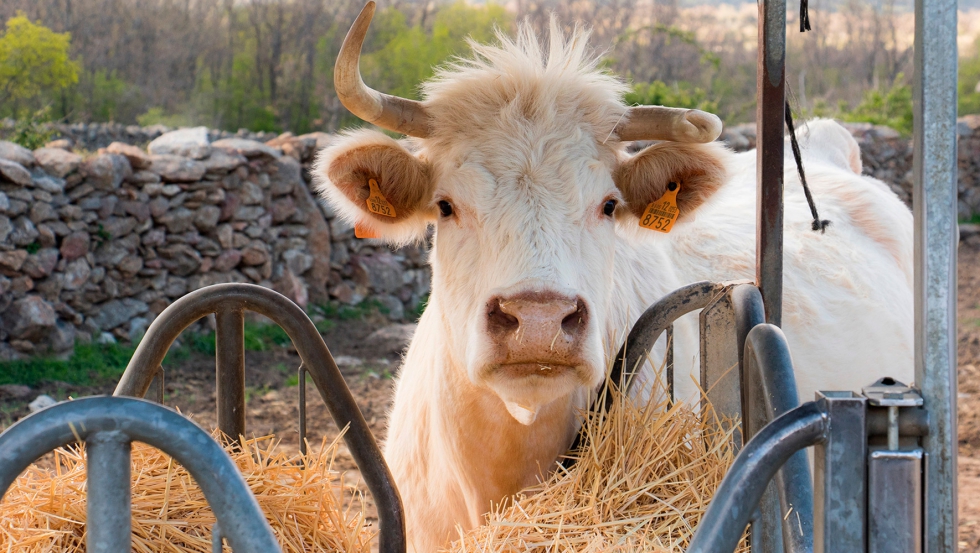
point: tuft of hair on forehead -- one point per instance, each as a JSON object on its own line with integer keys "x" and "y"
{"x": 519, "y": 85}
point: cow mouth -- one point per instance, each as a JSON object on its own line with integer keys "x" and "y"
{"x": 541, "y": 369}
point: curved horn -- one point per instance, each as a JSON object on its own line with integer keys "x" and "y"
{"x": 388, "y": 112}
{"x": 673, "y": 124}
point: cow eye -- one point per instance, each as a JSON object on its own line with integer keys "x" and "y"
{"x": 445, "y": 208}
{"x": 608, "y": 208}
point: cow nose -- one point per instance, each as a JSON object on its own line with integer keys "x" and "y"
{"x": 537, "y": 319}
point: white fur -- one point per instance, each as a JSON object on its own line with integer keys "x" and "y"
{"x": 521, "y": 147}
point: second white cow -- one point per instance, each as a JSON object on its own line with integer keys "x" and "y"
{"x": 539, "y": 263}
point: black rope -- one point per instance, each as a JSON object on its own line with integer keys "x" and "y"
{"x": 818, "y": 224}
{"x": 804, "y": 16}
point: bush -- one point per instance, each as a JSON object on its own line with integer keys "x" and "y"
{"x": 892, "y": 107}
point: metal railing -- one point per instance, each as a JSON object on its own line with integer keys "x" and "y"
{"x": 107, "y": 426}
{"x": 229, "y": 302}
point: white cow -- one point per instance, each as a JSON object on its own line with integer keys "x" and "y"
{"x": 539, "y": 264}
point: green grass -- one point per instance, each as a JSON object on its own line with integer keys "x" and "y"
{"x": 89, "y": 364}
{"x": 974, "y": 219}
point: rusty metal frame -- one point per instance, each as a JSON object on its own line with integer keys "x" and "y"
{"x": 229, "y": 302}
{"x": 107, "y": 426}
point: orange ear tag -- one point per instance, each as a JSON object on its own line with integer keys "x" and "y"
{"x": 661, "y": 214}
{"x": 361, "y": 231}
{"x": 377, "y": 203}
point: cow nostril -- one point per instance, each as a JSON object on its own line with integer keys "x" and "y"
{"x": 574, "y": 322}
{"x": 499, "y": 321}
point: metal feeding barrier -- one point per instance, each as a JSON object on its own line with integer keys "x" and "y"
{"x": 229, "y": 302}
{"x": 107, "y": 426}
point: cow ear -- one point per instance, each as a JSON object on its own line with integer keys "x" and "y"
{"x": 698, "y": 169}
{"x": 376, "y": 185}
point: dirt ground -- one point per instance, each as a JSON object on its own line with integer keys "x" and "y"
{"x": 272, "y": 393}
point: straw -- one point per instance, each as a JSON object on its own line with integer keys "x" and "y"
{"x": 44, "y": 510}
{"x": 641, "y": 482}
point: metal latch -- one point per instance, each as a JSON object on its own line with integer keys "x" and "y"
{"x": 890, "y": 393}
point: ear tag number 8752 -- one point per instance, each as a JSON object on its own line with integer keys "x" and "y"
{"x": 661, "y": 214}
{"x": 377, "y": 203}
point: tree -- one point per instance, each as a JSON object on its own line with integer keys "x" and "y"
{"x": 34, "y": 61}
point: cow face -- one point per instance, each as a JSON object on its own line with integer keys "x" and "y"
{"x": 523, "y": 175}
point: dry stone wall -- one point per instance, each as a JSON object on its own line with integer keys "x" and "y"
{"x": 97, "y": 245}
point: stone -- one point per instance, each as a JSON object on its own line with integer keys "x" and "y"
{"x": 107, "y": 171}
{"x": 105, "y": 338}
{"x": 61, "y": 339}
{"x": 51, "y": 185}
{"x": 389, "y": 340}
{"x": 41, "y": 402}
{"x": 381, "y": 272}
{"x": 40, "y": 264}
{"x": 188, "y": 142}
{"x": 6, "y": 227}
{"x": 4, "y": 203}
{"x": 251, "y": 193}
{"x": 24, "y": 233}
{"x": 41, "y": 211}
{"x": 45, "y": 236}
{"x": 227, "y": 260}
{"x": 343, "y": 293}
{"x": 249, "y": 213}
{"x": 170, "y": 190}
{"x": 178, "y": 220}
{"x": 11, "y": 262}
{"x": 75, "y": 245}
{"x": 15, "y": 172}
{"x": 119, "y": 226}
{"x": 256, "y": 253}
{"x": 138, "y": 159}
{"x": 116, "y": 312}
{"x": 76, "y": 274}
{"x": 16, "y": 153}
{"x": 245, "y": 147}
{"x": 63, "y": 143}
{"x": 282, "y": 209}
{"x": 158, "y": 207}
{"x": 222, "y": 161}
{"x": 297, "y": 261}
{"x": 180, "y": 259}
{"x": 130, "y": 265}
{"x": 225, "y": 236}
{"x": 175, "y": 287}
{"x": 208, "y": 246}
{"x": 206, "y": 217}
{"x": 392, "y": 307}
{"x": 145, "y": 178}
{"x": 14, "y": 391}
{"x": 140, "y": 210}
{"x": 293, "y": 288}
{"x": 177, "y": 169}
{"x": 57, "y": 162}
{"x": 137, "y": 328}
{"x": 29, "y": 318}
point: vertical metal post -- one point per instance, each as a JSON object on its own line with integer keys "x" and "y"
{"x": 108, "y": 508}
{"x": 720, "y": 378}
{"x": 302, "y": 408}
{"x": 769, "y": 117}
{"x": 934, "y": 202}
{"x": 230, "y": 371}
{"x": 839, "y": 480}
{"x": 895, "y": 501}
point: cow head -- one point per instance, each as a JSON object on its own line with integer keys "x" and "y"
{"x": 518, "y": 163}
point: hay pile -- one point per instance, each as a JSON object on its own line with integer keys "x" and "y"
{"x": 641, "y": 484}
{"x": 44, "y": 510}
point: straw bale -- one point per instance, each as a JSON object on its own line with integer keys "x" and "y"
{"x": 641, "y": 482}
{"x": 44, "y": 510}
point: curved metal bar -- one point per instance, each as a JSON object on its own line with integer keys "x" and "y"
{"x": 318, "y": 362}
{"x": 771, "y": 391}
{"x": 653, "y": 322}
{"x": 735, "y": 501}
{"x": 226, "y": 491}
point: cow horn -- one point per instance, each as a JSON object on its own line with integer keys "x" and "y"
{"x": 388, "y": 112}
{"x": 673, "y": 124}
